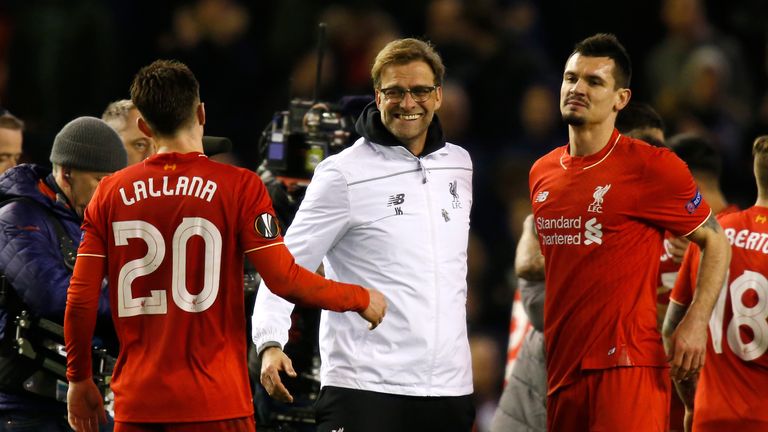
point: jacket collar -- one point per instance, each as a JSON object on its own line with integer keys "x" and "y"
{"x": 370, "y": 127}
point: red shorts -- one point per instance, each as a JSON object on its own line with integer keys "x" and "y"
{"x": 244, "y": 424}
{"x": 623, "y": 399}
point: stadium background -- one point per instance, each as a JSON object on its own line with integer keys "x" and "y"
{"x": 61, "y": 59}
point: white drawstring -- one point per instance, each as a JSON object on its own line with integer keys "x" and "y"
{"x": 423, "y": 171}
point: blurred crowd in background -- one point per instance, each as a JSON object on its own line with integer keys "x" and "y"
{"x": 701, "y": 64}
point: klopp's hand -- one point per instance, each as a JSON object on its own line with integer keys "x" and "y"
{"x": 377, "y": 308}
{"x": 274, "y": 360}
{"x": 85, "y": 406}
{"x": 687, "y": 348}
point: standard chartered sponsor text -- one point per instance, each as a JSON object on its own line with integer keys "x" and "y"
{"x": 558, "y": 223}
{"x": 544, "y": 224}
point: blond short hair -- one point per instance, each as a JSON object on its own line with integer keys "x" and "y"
{"x": 116, "y": 114}
{"x": 403, "y": 51}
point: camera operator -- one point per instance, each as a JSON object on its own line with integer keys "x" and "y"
{"x": 39, "y": 233}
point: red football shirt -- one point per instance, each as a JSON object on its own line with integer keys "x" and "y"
{"x": 174, "y": 248}
{"x": 600, "y": 221}
{"x": 733, "y": 386}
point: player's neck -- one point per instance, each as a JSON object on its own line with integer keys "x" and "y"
{"x": 588, "y": 139}
{"x": 762, "y": 199}
{"x": 183, "y": 142}
{"x": 715, "y": 199}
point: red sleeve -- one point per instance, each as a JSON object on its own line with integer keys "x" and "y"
{"x": 685, "y": 283}
{"x": 94, "y": 237}
{"x": 258, "y": 224}
{"x": 298, "y": 285}
{"x": 670, "y": 198}
{"x": 80, "y": 315}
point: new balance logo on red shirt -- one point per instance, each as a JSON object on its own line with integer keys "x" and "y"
{"x": 542, "y": 196}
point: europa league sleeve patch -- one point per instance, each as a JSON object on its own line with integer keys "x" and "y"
{"x": 266, "y": 226}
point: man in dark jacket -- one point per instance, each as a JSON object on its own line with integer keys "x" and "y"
{"x": 39, "y": 223}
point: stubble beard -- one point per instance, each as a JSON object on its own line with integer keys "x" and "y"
{"x": 573, "y": 119}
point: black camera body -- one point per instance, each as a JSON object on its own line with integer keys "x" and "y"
{"x": 297, "y": 140}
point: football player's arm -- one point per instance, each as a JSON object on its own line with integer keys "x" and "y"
{"x": 529, "y": 262}
{"x": 688, "y": 342}
{"x": 287, "y": 279}
{"x": 84, "y": 404}
{"x": 321, "y": 221}
{"x": 686, "y": 388}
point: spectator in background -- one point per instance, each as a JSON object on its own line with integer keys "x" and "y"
{"x": 539, "y": 131}
{"x": 11, "y": 129}
{"x": 60, "y": 54}
{"x": 689, "y": 30}
{"x": 640, "y": 121}
{"x": 39, "y": 234}
{"x": 123, "y": 117}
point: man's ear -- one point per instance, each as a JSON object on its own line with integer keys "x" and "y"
{"x": 201, "y": 114}
{"x": 144, "y": 127}
{"x": 623, "y": 99}
{"x": 378, "y": 96}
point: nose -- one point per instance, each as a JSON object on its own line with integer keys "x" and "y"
{"x": 577, "y": 87}
{"x": 408, "y": 100}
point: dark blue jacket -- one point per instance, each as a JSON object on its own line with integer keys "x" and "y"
{"x": 30, "y": 256}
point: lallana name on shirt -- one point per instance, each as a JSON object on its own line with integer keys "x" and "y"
{"x": 747, "y": 239}
{"x": 182, "y": 185}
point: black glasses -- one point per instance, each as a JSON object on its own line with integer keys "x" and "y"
{"x": 418, "y": 93}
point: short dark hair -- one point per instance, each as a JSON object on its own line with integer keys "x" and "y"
{"x": 166, "y": 94}
{"x": 697, "y": 152}
{"x": 637, "y": 116}
{"x": 607, "y": 45}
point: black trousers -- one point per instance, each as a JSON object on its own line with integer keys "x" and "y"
{"x": 346, "y": 410}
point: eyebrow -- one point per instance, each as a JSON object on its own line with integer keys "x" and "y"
{"x": 590, "y": 77}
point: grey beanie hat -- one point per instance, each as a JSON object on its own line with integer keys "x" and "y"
{"x": 89, "y": 144}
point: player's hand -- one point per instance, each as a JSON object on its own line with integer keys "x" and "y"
{"x": 85, "y": 407}
{"x": 377, "y": 308}
{"x": 676, "y": 247}
{"x": 274, "y": 360}
{"x": 687, "y": 347}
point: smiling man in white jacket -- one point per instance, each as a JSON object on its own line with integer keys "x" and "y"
{"x": 391, "y": 211}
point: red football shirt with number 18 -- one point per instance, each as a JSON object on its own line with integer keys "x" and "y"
{"x": 175, "y": 254}
{"x": 600, "y": 221}
{"x": 733, "y": 387}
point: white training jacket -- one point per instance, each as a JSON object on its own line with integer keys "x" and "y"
{"x": 383, "y": 218}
